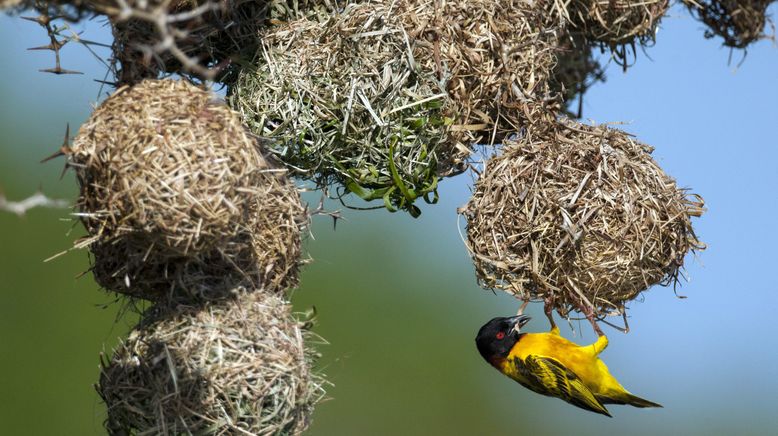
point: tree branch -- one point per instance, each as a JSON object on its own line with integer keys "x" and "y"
{"x": 38, "y": 199}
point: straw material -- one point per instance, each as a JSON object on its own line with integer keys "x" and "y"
{"x": 615, "y": 24}
{"x": 343, "y": 104}
{"x": 576, "y": 71}
{"x": 268, "y": 261}
{"x": 383, "y": 98}
{"x": 578, "y": 215}
{"x": 739, "y": 23}
{"x": 494, "y": 56}
{"x": 236, "y": 367}
{"x": 171, "y": 183}
{"x": 615, "y": 21}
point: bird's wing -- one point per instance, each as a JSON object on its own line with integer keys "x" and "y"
{"x": 547, "y": 376}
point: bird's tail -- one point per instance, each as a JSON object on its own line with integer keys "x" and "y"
{"x": 640, "y": 402}
{"x": 632, "y": 400}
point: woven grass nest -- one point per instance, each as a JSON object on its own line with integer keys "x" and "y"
{"x": 384, "y": 98}
{"x": 171, "y": 183}
{"x": 579, "y": 216}
{"x": 617, "y": 24}
{"x": 236, "y": 367}
{"x": 739, "y": 23}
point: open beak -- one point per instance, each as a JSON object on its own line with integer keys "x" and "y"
{"x": 519, "y": 321}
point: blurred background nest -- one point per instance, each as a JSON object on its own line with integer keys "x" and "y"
{"x": 235, "y": 367}
{"x": 576, "y": 70}
{"x": 203, "y": 39}
{"x": 738, "y": 23}
{"x": 619, "y": 25}
{"x": 578, "y": 216}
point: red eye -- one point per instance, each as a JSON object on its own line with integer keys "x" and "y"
{"x": 500, "y": 335}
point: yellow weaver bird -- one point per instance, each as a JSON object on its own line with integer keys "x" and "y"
{"x": 551, "y": 365}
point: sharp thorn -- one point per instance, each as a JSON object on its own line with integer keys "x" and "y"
{"x": 64, "y": 149}
{"x": 43, "y": 20}
{"x": 56, "y": 154}
{"x": 105, "y": 82}
{"x": 59, "y": 71}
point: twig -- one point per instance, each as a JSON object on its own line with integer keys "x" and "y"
{"x": 38, "y": 199}
{"x": 320, "y": 210}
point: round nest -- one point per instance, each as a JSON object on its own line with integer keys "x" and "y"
{"x": 580, "y": 216}
{"x": 206, "y": 38}
{"x": 739, "y": 23}
{"x": 170, "y": 178}
{"x": 352, "y": 107}
{"x": 237, "y": 367}
{"x": 384, "y": 99}
{"x": 576, "y": 71}
{"x": 615, "y": 23}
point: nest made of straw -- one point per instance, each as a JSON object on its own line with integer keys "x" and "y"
{"x": 576, "y": 70}
{"x": 616, "y": 24}
{"x": 739, "y": 23}
{"x": 236, "y": 367}
{"x": 344, "y": 102}
{"x": 169, "y": 178}
{"x": 581, "y": 216}
{"x": 386, "y": 97}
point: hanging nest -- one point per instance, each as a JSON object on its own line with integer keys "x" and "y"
{"x": 236, "y": 367}
{"x": 739, "y": 23}
{"x": 383, "y": 99}
{"x": 171, "y": 181}
{"x": 344, "y": 104}
{"x": 580, "y": 216}
{"x": 576, "y": 70}
{"x": 616, "y": 24}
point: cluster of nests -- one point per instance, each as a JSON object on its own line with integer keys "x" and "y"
{"x": 382, "y": 99}
{"x": 188, "y": 202}
{"x": 183, "y": 209}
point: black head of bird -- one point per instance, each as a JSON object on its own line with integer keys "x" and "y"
{"x": 498, "y": 336}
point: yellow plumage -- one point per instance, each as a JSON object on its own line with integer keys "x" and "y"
{"x": 551, "y": 365}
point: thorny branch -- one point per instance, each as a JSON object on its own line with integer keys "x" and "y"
{"x": 160, "y": 32}
{"x": 171, "y": 28}
{"x": 55, "y": 45}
